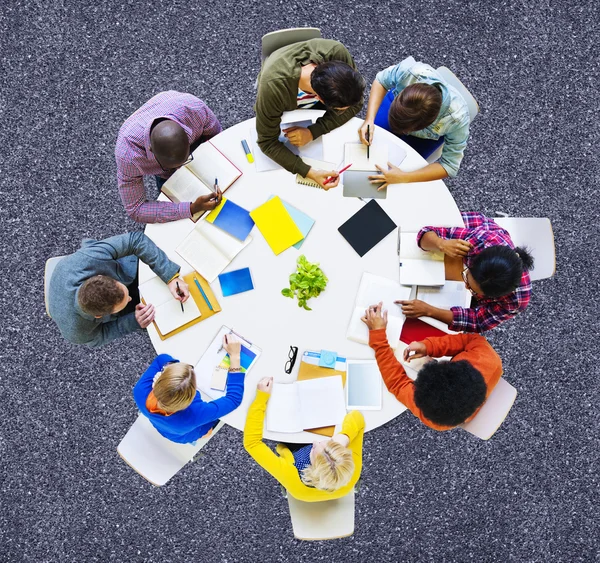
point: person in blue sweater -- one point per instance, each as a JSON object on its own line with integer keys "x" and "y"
{"x": 167, "y": 395}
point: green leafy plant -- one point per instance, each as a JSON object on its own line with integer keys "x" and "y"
{"x": 307, "y": 281}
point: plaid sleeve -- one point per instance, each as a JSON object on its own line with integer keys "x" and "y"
{"x": 204, "y": 122}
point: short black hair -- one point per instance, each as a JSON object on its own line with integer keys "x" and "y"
{"x": 449, "y": 392}
{"x": 498, "y": 269}
{"x": 337, "y": 84}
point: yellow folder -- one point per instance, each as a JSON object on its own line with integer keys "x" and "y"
{"x": 276, "y": 225}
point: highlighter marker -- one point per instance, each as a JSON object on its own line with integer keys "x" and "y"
{"x": 249, "y": 156}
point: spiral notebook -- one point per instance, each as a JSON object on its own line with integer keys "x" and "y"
{"x": 313, "y": 163}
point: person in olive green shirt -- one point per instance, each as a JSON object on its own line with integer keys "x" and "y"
{"x": 318, "y": 72}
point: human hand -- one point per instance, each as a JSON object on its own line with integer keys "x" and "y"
{"x": 181, "y": 293}
{"x": 362, "y": 132}
{"x": 144, "y": 314}
{"x": 265, "y": 384}
{"x": 206, "y": 202}
{"x": 374, "y": 318}
{"x": 455, "y": 248}
{"x": 419, "y": 349}
{"x": 415, "y": 308}
{"x": 233, "y": 347}
{"x": 320, "y": 176}
{"x": 298, "y": 136}
{"x": 391, "y": 176}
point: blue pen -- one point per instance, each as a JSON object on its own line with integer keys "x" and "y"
{"x": 203, "y": 294}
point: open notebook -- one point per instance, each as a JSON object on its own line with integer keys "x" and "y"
{"x": 198, "y": 177}
{"x": 372, "y": 290}
{"x": 209, "y": 250}
{"x": 311, "y": 403}
{"x": 417, "y": 266}
{"x": 168, "y": 314}
{"x": 451, "y": 294}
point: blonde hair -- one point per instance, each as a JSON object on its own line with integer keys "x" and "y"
{"x": 175, "y": 389}
{"x": 331, "y": 469}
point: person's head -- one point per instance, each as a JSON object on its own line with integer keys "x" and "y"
{"x": 331, "y": 466}
{"x": 170, "y": 144}
{"x": 448, "y": 393}
{"x": 497, "y": 270}
{"x": 102, "y": 295}
{"x": 337, "y": 85}
{"x": 175, "y": 388}
{"x": 415, "y": 108}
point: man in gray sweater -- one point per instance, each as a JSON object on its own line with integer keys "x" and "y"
{"x": 89, "y": 293}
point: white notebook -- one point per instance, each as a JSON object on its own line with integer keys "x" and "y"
{"x": 372, "y": 290}
{"x": 356, "y": 154}
{"x": 198, "y": 177}
{"x": 312, "y": 403}
{"x": 451, "y": 294}
{"x": 209, "y": 250}
{"x": 417, "y": 266}
{"x": 168, "y": 315}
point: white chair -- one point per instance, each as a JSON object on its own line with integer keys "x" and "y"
{"x": 154, "y": 457}
{"x": 472, "y": 104}
{"x": 325, "y": 520}
{"x": 536, "y": 234}
{"x": 493, "y": 412}
{"x": 282, "y": 37}
{"x": 51, "y": 264}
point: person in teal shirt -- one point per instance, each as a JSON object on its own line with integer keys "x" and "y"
{"x": 412, "y": 101}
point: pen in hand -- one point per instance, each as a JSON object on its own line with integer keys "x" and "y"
{"x": 180, "y": 295}
{"x": 368, "y": 140}
{"x": 331, "y": 178}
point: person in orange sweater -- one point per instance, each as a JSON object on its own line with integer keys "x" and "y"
{"x": 444, "y": 394}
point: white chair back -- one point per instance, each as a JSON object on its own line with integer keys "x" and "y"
{"x": 282, "y": 37}
{"x": 493, "y": 412}
{"x": 325, "y": 520}
{"x": 153, "y": 456}
{"x": 536, "y": 234}
{"x": 51, "y": 264}
{"x": 451, "y": 79}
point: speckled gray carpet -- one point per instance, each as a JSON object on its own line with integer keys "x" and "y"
{"x": 72, "y": 71}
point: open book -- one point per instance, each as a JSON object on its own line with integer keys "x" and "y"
{"x": 451, "y": 294}
{"x": 312, "y": 403}
{"x": 371, "y": 291}
{"x": 168, "y": 315}
{"x": 198, "y": 177}
{"x": 209, "y": 250}
{"x": 417, "y": 266}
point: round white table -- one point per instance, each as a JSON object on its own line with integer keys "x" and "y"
{"x": 267, "y": 318}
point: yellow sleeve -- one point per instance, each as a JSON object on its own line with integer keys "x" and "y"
{"x": 354, "y": 427}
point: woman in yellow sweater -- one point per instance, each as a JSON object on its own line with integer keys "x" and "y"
{"x": 325, "y": 470}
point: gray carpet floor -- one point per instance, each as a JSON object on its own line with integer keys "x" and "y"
{"x": 72, "y": 72}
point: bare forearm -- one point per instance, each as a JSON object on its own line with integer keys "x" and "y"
{"x": 444, "y": 315}
{"x": 429, "y": 173}
{"x": 430, "y": 241}
{"x": 378, "y": 92}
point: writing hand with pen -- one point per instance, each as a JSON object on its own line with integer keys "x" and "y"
{"x": 179, "y": 290}
{"x": 207, "y": 202}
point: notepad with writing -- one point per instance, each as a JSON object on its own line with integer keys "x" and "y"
{"x": 168, "y": 314}
{"x": 209, "y": 250}
{"x": 276, "y": 224}
{"x": 231, "y": 218}
{"x": 312, "y": 403}
{"x": 371, "y": 291}
{"x": 417, "y": 266}
{"x": 198, "y": 177}
{"x": 367, "y": 227}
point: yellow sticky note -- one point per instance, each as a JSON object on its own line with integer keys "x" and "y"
{"x": 215, "y": 212}
{"x": 276, "y": 225}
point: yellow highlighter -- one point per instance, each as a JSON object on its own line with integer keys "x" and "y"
{"x": 249, "y": 156}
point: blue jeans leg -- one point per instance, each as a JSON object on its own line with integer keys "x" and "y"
{"x": 159, "y": 182}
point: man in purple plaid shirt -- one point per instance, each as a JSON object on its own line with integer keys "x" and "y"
{"x": 155, "y": 141}
{"x": 494, "y": 271}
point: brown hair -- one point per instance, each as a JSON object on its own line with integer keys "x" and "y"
{"x": 99, "y": 295}
{"x": 415, "y": 108}
{"x": 332, "y": 468}
{"x": 175, "y": 389}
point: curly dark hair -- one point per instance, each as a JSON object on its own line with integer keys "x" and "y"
{"x": 449, "y": 392}
{"x": 99, "y": 295}
{"x": 337, "y": 84}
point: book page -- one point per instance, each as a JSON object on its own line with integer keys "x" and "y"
{"x": 356, "y": 153}
{"x": 283, "y": 409}
{"x": 201, "y": 255}
{"x": 184, "y": 186}
{"x": 359, "y": 332}
{"x": 410, "y": 249}
{"x": 451, "y": 294}
{"x": 210, "y": 163}
{"x": 374, "y": 289}
{"x": 155, "y": 291}
{"x": 422, "y": 272}
{"x": 321, "y": 401}
{"x": 227, "y": 245}
{"x": 169, "y": 316}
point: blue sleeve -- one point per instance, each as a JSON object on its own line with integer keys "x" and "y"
{"x": 453, "y": 150}
{"x": 207, "y": 412}
{"x": 107, "y": 332}
{"x": 394, "y": 76}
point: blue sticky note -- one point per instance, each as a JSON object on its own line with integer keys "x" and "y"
{"x": 237, "y": 281}
{"x": 235, "y": 220}
{"x": 327, "y": 359}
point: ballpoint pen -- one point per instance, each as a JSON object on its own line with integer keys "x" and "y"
{"x": 398, "y": 247}
{"x": 368, "y": 139}
{"x": 180, "y": 295}
{"x": 331, "y": 178}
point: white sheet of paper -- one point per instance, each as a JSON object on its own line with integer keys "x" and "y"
{"x": 184, "y": 186}
{"x": 422, "y": 272}
{"x": 451, "y": 294}
{"x": 283, "y": 409}
{"x": 168, "y": 316}
{"x": 155, "y": 291}
{"x": 356, "y": 153}
{"x": 321, "y": 401}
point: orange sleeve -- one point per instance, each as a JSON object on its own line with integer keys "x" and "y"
{"x": 449, "y": 345}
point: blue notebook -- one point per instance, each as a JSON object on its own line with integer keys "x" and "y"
{"x": 302, "y": 220}
{"x": 232, "y": 219}
{"x": 237, "y": 281}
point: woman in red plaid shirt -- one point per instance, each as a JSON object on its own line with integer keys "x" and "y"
{"x": 494, "y": 271}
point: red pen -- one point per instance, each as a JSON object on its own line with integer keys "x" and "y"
{"x": 330, "y": 179}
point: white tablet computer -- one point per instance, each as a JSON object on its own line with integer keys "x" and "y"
{"x": 363, "y": 385}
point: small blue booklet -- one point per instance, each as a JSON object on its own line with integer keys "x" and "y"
{"x": 237, "y": 281}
